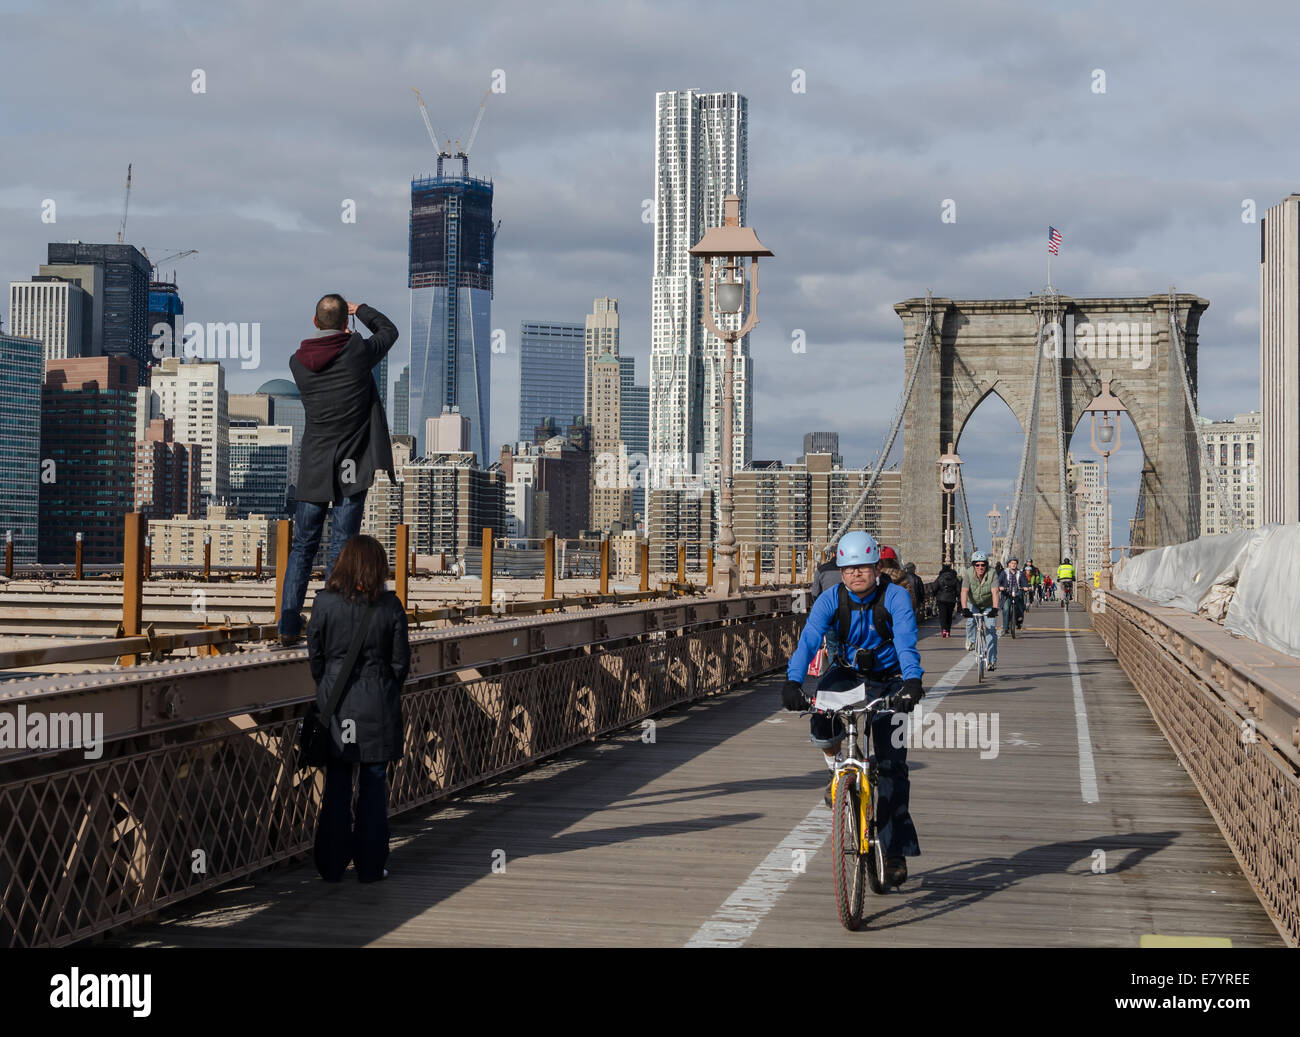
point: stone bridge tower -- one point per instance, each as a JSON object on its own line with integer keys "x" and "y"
{"x": 982, "y": 346}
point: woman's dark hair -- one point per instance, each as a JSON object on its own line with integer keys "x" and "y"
{"x": 361, "y": 569}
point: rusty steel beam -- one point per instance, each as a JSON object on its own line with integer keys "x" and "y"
{"x": 487, "y": 566}
{"x": 283, "y": 545}
{"x": 132, "y": 579}
{"x": 403, "y": 576}
{"x": 548, "y": 558}
{"x": 645, "y": 565}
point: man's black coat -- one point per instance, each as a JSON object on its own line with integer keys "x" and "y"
{"x": 346, "y": 439}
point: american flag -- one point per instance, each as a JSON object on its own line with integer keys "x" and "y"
{"x": 1053, "y": 241}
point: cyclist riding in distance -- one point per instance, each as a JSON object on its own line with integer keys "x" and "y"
{"x": 878, "y": 640}
{"x": 979, "y": 588}
{"x": 1065, "y": 577}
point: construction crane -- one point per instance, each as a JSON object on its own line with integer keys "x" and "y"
{"x": 175, "y": 255}
{"x": 126, "y": 201}
{"x": 442, "y": 152}
{"x": 477, "y": 122}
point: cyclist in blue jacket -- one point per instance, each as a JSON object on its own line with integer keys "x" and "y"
{"x": 881, "y": 646}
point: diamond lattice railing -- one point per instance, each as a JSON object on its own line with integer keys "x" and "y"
{"x": 89, "y": 848}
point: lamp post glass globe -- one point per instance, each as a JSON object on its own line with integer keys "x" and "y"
{"x": 731, "y": 296}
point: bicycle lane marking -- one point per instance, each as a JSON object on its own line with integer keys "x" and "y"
{"x": 735, "y": 921}
{"x": 1087, "y": 770}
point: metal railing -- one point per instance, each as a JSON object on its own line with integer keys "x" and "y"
{"x": 198, "y": 783}
{"x": 1230, "y": 709}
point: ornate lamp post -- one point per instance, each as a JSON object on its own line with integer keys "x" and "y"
{"x": 725, "y": 248}
{"x": 1105, "y": 412}
{"x": 949, "y": 469}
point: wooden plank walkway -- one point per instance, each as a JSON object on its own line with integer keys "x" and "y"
{"x": 629, "y": 843}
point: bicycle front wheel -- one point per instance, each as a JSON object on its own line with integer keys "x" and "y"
{"x": 981, "y": 648}
{"x": 875, "y": 858}
{"x": 846, "y": 860}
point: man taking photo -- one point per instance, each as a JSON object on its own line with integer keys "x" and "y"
{"x": 344, "y": 444}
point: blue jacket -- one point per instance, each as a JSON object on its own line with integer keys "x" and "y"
{"x": 901, "y": 653}
{"x": 1014, "y": 583}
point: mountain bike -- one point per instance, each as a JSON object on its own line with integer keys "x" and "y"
{"x": 855, "y": 802}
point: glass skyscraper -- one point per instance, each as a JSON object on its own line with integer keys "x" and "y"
{"x": 636, "y": 429}
{"x": 22, "y": 367}
{"x": 550, "y": 374}
{"x": 450, "y": 279}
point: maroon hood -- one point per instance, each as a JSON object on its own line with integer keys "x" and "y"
{"x": 317, "y": 352}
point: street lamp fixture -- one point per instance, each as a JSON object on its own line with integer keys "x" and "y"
{"x": 1105, "y": 411}
{"x": 949, "y": 476}
{"x": 725, "y": 249}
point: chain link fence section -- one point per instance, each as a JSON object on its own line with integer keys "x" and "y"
{"x": 1211, "y": 715}
{"x": 86, "y": 849}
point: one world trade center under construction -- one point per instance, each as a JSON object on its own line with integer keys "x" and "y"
{"x": 450, "y": 278}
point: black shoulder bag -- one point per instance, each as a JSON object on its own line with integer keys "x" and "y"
{"x": 314, "y": 741}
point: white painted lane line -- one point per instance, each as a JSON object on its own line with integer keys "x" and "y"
{"x": 1087, "y": 771}
{"x": 735, "y": 921}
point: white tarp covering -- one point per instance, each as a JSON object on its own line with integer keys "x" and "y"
{"x": 1259, "y": 567}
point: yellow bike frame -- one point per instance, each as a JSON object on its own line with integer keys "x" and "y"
{"x": 864, "y": 798}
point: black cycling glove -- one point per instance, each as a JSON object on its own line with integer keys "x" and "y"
{"x": 793, "y": 698}
{"x": 905, "y": 701}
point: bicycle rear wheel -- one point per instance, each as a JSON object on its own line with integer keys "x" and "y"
{"x": 846, "y": 862}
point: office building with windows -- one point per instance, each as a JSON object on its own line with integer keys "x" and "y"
{"x": 193, "y": 395}
{"x": 259, "y": 468}
{"x": 601, "y": 336}
{"x": 52, "y": 309}
{"x": 1279, "y": 362}
{"x": 87, "y": 424}
{"x": 22, "y": 368}
{"x": 1235, "y": 448}
{"x": 117, "y": 278}
{"x": 701, "y": 156}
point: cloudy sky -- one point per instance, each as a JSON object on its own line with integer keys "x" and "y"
{"x": 992, "y": 105}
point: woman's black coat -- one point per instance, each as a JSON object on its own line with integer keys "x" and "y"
{"x": 373, "y": 700}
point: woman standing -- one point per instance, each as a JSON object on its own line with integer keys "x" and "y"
{"x": 366, "y": 727}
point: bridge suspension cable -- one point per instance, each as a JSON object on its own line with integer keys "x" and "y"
{"x": 1061, "y": 435}
{"x": 922, "y": 352}
{"x": 1216, "y": 476}
{"x": 965, "y": 512}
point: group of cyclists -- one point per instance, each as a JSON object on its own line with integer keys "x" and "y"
{"x": 864, "y": 625}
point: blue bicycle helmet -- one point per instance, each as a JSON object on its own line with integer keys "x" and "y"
{"x": 857, "y": 548}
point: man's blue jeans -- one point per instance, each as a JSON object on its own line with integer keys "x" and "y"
{"x": 308, "y": 523}
{"x": 1013, "y": 609}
